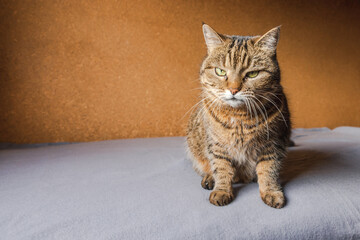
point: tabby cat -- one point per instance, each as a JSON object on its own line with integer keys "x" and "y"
{"x": 240, "y": 129}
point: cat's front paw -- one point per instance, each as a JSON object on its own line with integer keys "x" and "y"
{"x": 221, "y": 198}
{"x": 274, "y": 199}
{"x": 208, "y": 182}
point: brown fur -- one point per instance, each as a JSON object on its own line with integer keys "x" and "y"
{"x": 243, "y": 138}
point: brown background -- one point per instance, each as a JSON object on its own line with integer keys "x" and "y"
{"x": 94, "y": 70}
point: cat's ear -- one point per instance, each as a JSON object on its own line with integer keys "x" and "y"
{"x": 269, "y": 40}
{"x": 212, "y": 38}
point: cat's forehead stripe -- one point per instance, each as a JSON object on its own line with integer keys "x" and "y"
{"x": 237, "y": 56}
{"x": 232, "y": 52}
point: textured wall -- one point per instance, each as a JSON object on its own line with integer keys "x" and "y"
{"x": 94, "y": 70}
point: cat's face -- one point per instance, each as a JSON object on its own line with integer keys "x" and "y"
{"x": 236, "y": 67}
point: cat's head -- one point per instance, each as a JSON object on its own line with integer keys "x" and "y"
{"x": 237, "y": 66}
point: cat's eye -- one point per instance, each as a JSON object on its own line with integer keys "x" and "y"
{"x": 220, "y": 72}
{"x": 252, "y": 74}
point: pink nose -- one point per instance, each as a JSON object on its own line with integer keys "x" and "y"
{"x": 234, "y": 90}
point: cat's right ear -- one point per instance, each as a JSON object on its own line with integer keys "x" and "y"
{"x": 212, "y": 38}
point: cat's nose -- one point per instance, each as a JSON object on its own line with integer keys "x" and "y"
{"x": 234, "y": 90}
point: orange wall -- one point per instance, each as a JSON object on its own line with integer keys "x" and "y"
{"x": 94, "y": 70}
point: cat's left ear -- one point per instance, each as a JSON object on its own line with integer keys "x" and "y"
{"x": 269, "y": 40}
{"x": 212, "y": 38}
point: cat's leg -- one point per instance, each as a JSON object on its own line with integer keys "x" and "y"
{"x": 203, "y": 168}
{"x": 205, "y": 171}
{"x": 196, "y": 152}
{"x": 267, "y": 171}
{"x": 208, "y": 182}
{"x": 223, "y": 173}
{"x": 201, "y": 164}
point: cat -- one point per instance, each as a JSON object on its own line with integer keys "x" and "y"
{"x": 240, "y": 130}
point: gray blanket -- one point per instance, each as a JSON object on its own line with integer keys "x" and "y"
{"x": 146, "y": 189}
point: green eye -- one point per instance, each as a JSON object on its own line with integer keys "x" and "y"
{"x": 252, "y": 74}
{"x": 220, "y": 72}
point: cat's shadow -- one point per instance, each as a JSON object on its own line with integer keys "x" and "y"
{"x": 298, "y": 162}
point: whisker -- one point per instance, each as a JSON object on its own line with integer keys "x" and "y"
{"x": 263, "y": 114}
{"x": 271, "y": 94}
{"x": 274, "y": 106}
{"x": 193, "y": 89}
{"x": 267, "y": 117}
{"x": 255, "y": 112}
{"x": 248, "y": 101}
{"x": 247, "y": 107}
{"x": 193, "y": 107}
{"x": 205, "y": 107}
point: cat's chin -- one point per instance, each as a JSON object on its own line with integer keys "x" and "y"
{"x": 235, "y": 103}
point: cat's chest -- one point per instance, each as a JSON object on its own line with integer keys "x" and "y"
{"x": 235, "y": 139}
{"x": 237, "y": 134}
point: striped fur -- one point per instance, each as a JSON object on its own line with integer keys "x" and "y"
{"x": 244, "y": 139}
